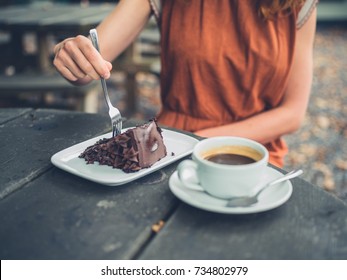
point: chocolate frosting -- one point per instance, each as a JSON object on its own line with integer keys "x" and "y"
{"x": 130, "y": 151}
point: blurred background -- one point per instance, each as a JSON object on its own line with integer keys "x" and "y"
{"x": 319, "y": 147}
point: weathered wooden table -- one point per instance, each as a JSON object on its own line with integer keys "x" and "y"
{"x": 47, "y": 213}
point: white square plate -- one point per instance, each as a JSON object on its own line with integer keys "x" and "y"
{"x": 178, "y": 145}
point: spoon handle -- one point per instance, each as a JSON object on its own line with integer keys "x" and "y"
{"x": 245, "y": 201}
{"x": 289, "y": 175}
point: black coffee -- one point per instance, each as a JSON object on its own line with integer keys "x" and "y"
{"x": 230, "y": 159}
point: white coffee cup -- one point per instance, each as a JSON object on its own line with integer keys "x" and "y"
{"x": 220, "y": 179}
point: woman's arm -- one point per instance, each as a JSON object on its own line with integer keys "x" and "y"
{"x": 287, "y": 117}
{"x": 78, "y": 61}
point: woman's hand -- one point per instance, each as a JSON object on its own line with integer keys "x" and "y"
{"x": 78, "y": 61}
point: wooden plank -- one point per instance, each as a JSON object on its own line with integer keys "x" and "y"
{"x": 27, "y": 143}
{"x": 8, "y": 114}
{"x": 33, "y": 16}
{"x": 52, "y": 16}
{"x": 44, "y": 83}
{"x": 332, "y": 11}
{"x": 38, "y": 82}
{"x": 61, "y": 216}
{"x": 7, "y": 13}
{"x": 311, "y": 225}
{"x": 94, "y": 13}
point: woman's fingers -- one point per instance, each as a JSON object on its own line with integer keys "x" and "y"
{"x": 67, "y": 66}
{"x": 76, "y": 58}
{"x": 94, "y": 57}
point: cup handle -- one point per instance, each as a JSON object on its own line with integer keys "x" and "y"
{"x": 187, "y": 174}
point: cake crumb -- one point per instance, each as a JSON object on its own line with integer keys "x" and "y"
{"x": 158, "y": 226}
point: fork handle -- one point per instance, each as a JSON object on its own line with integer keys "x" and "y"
{"x": 95, "y": 41}
{"x": 104, "y": 88}
{"x": 94, "y": 37}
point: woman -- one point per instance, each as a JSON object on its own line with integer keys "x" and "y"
{"x": 229, "y": 67}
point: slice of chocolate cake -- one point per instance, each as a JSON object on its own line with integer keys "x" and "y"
{"x": 137, "y": 148}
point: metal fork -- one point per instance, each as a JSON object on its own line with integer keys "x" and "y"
{"x": 116, "y": 118}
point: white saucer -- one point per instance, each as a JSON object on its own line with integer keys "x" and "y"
{"x": 270, "y": 198}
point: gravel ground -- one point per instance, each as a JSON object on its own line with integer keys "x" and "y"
{"x": 320, "y": 146}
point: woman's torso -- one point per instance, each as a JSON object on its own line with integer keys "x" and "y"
{"x": 222, "y": 63}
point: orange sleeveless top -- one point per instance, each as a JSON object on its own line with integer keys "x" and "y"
{"x": 222, "y": 63}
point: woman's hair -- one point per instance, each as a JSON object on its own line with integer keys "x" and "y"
{"x": 269, "y": 8}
